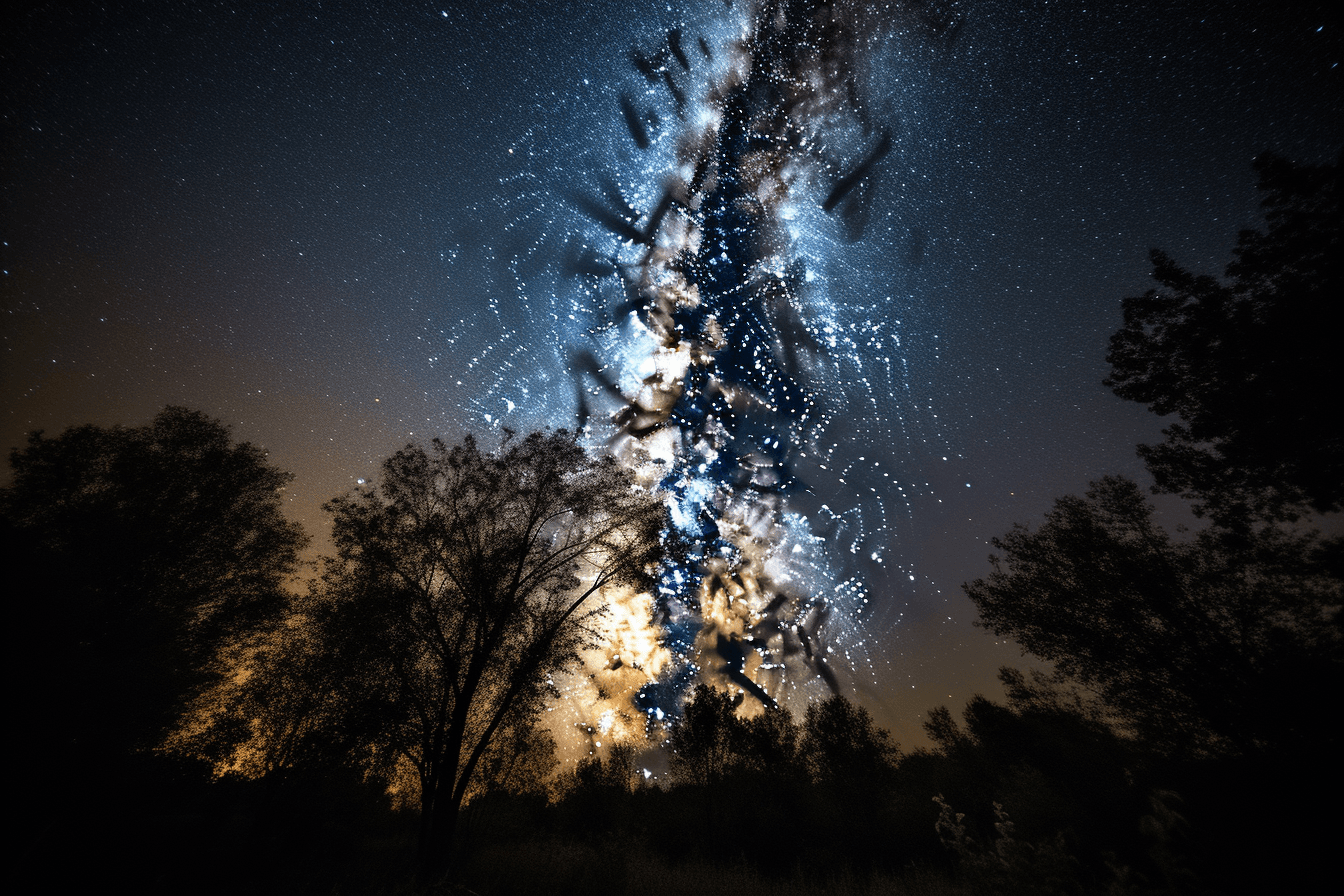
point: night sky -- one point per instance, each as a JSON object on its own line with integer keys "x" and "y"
{"x": 339, "y": 227}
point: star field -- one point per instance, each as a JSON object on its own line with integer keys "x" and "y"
{"x": 342, "y": 228}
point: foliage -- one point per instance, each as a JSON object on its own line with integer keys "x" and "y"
{"x": 771, "y": 746}
{"x": 463, "y": 580}
{"x": 595, "y": 798}
{"x": 1244, "y": 363}
{"x": 1188, "y": 641}
{"x": 160, "y": 549}
{"x": 1014, "y": 864}
{"x": 1215, "y": 652}
{"x": 279, "y": 713}
{"x": 1009, "y": 865}
{"x": 519, "y": 761}
{"x": 836, "y": 768}
{"x": 1049, "y": 755}
{"x": 837, "y": 744}
{"x": 616, "y": 774}
{"x": 1044, "y": 721}
{"x": 707, "y": 741}
{"x": 711, "y": 744}
{"x": 842, "y": 747}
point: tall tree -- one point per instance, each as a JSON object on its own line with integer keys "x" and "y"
{"x": 148, "y": 551}
{"x": 843, "y": 748}
{"x": 1248, "y": 364}
{"x": 706, "y": 742}
{"x": 1225, "y": 645}
{"x": 463, "y": 581}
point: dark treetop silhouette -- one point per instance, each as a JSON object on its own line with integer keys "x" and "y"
{"x": 157, "y": 549}
{"x": 1249, "y": 365}
{"x": 1198, "y": 646}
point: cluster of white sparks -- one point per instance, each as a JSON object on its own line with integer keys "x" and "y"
{"x": 699, "y": 297}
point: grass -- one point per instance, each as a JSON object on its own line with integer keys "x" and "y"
{"x": 560, "y": 867}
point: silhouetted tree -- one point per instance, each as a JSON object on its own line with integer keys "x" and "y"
{"x": 706, "y": 742}
{"x": 851, "y": 764}
{"x": 1248, "y": 364}
{"x": 843, "y": 747}
{"x": 140, "y": 559}
{"x": 465, "y": 579}
{"x": 1197, "y": 646}
{"x": 596, "y": 797}
{"x": 615, "y": 774}
{"x": 281, "y": 712}
{"x": 154, "y": 551}
{"x": 771, "y": 745}
{"x": 1217, "y": 650}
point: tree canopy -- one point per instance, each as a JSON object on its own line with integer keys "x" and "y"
{"x": 463, "y": 581}
{"x": 1198, "y": 646}
{"x": 148, "y": 550}
{"x": 706, "y": 741}
{"x": 1248, "y": 364}
{"x": 842, "y": 747}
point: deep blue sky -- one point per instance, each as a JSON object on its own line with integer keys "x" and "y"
{"x": 302, "y": 221}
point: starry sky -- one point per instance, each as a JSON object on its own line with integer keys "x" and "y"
{"x": 335, "y": 226}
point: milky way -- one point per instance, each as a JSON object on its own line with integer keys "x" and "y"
{"x": 703, "y": 306}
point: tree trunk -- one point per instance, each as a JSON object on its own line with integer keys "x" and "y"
{"x": 437, "y": 827}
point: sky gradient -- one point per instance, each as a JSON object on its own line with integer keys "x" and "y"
{"x": 333, "y": 225}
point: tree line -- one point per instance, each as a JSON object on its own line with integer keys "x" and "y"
{"x": 187, "y": 705}
{"x": 462, "y": 582}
